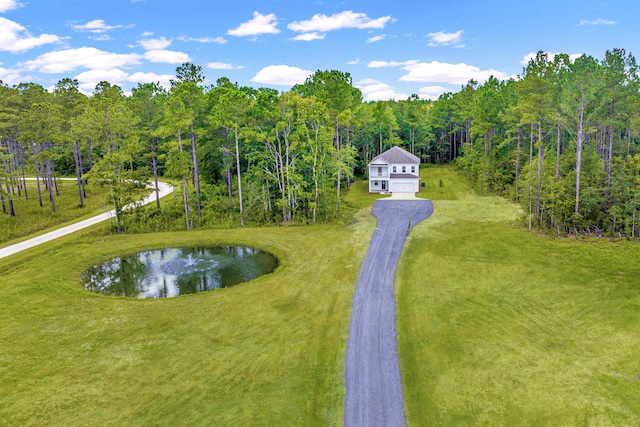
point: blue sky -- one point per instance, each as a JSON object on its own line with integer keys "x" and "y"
{"x": 391, "y": 48}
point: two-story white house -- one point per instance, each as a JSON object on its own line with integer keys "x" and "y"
{"x": 394, "y": 171}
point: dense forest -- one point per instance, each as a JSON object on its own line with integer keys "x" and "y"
{"x": 234, "y": 153}
{"x": 561, "y": 139}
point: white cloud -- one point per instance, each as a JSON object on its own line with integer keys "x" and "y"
{"x": 376, "y": 38}
{"x": 219, "y": 40}
{"x": 260, "y": 24}
{"x": 354, "y": 62}
{"x": 89, "y": 79}
{"x": 7, "y": 5}
{"x": 139, "y": 77}
{"x": 166, "y": 56}
{"x": 375, "y": 90}
{"x": 368, "y": 82}
{"x": 63, "y": 61}
{"x": 347, "y": 19}
{"x": 15, "y": 38}
{"x": 386, "y": 64}
{"x": 101, "y": 37}
{"x": 307, "y": 37}
{"x": 154, "y": 44}
{"x": 432, "y": 92}
{"x": 96, "y": 26}
{"x": 219, "y": 66}
{"x": 448, "y": 73}
{"x": 531, "y": 55}
{"x": 598, "y": 21}
{"x": 281, "y": 75}
{"x": 11, "y": 77}
{"x": 446, "y": 39}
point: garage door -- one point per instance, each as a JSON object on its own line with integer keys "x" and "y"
{"x": 404, "y": 187}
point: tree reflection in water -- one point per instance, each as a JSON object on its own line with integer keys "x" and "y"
{"x": 177, "y": 271}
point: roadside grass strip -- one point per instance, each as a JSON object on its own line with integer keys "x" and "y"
{"x": 497, "y": 326}
{"x": 31, "y": 219}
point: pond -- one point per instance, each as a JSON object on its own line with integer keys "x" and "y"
{"x": 171, "y": 272}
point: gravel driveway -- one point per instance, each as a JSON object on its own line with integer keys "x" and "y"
{"x": 372, "y": 370}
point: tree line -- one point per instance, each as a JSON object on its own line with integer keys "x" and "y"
{"x": 561, "y": 139}
{"x": 234, "y": 153}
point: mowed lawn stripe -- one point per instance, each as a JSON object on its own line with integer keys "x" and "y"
{"x": 269, "y": 352}
{"x": 497, "y": 326}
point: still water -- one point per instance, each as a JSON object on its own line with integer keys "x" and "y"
{"x": 171, "y": 272}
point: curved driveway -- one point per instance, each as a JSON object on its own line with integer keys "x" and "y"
{"x": 372, "y": 370}
{"x": 164, "y": 189}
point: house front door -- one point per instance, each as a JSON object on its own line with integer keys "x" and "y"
{"x": 384, "y": 185}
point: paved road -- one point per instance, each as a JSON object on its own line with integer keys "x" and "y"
{"x": 164, "y": 189}
{"x": 372, "y": 370}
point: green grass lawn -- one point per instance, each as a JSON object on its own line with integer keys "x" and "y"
{"x": 31, "y": 219}
{"x": 499, "y": 327}
{"x": 440, "y": 183}
{"x": 496, "y": 327}
{"x": 359, "y": 197}
{"x": 269, "y": 352}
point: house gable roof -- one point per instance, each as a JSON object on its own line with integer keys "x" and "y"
{"x": 378, "y": 161}
{"x": 396, "y": 155}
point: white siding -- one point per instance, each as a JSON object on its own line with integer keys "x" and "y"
{"x": 378, "y": 172}
{"x": 378, "y": 185}
{"x": 407, "y": 169}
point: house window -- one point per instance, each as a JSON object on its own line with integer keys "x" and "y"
{"x": 379, "y": 171}
{"x": 413, "y": 169}
{"x": 395, "y": 169}
{"x": 375, "y": 183}
{"x": 404, "y": 169}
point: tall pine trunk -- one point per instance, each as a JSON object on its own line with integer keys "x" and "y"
{"x": 339, "y": 179}
{"x": 4, "y": 206}
{"x": 35, "y": 160}
{"x": 281, "y": 183}
{"x": 227, "y": 173}
{"x": 185, "y": 193}
{"x": 579, "y": 156}
{"x": 518, "y": 165}
{"x": 24, "y": 179}
{"x": 558, "y": 153}
{"x": 531, "y": 146}
{"x": 610, "y": 154}
{"x": 55, "y": 177}
{"x": 154, "y": 163}
{"x": 6, "y": 180}
{"x": 540, "y": 151}
{"x": 50, "y": 186}
{"x": 239, "y": 180}
{"x": 76, "y": 158}
{"x": 196, "y": 174}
